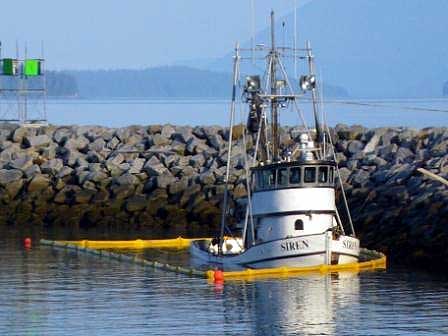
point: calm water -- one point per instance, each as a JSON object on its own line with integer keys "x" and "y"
{"x": 50, "y": 292}
{"x": 117, "y": 113}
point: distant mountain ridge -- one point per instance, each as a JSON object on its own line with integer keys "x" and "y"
{"x": 373, "y": 48}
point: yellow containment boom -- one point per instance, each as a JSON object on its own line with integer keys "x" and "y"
{"x": 177, "y": 243}
{"x": 374, "y": 260}
{"x": 380, "y": 262}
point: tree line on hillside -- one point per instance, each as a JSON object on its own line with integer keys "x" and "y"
{"x": 174, "y": 81}
{"x": 162, "y": 82}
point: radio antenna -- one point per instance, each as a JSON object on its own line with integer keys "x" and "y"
{"x": 295, "y": 39}
{"x": 252, "y": 28}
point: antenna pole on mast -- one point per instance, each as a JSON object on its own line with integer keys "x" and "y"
{"x": 274, "y": 105}
{"x": 252, "y": 9}
{"x": 314, "y": 93}
{"x": 295, "y": 39}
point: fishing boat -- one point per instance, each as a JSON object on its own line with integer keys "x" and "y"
{"x": 291, "y": 218}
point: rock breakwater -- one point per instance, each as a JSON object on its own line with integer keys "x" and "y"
{"x": 163, "y": 175}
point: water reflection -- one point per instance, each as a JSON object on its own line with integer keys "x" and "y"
{"x": 298, "y": 306}
{"x": 49, "y": 292}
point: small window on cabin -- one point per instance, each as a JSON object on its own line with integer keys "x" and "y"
{"x": 283, "y": 177}
{"x": 294, "y": 175}
{"x": 310, "y": 175}
{"x": 331, "y": 177}
{"x": 265, "y": 178}
{"x": 256, "y": 183}
{"x": 323, "y": 175}
{"x": 298, "y": 225}
{"x": 258, "y": 180}
{"x": 273, "y": 177}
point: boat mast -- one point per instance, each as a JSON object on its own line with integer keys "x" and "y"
{"x": 229, "y": 153}
{"x": 274, "y": 104}
{"x": 310, "y": 57}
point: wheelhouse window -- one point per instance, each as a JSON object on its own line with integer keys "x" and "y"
{"x": 309, "y": 175}
{"x": 255, "y": 180}
{"x": 267, "y": 179}
{"x": 273, "y": 177}
{"x": 331, "y": 176}
{"x": 295, "y": 175}
{"x": 283, "y": 177}
{"x": 323, "y": 175}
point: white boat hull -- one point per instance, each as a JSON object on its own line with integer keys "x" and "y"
{"x": 300, "y": 251}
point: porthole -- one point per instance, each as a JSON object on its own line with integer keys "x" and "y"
{"x": 298, "y": 225}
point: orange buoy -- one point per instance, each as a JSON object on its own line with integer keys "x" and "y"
{"x": 27, "y": 242}
{"x": 218, "y": 276}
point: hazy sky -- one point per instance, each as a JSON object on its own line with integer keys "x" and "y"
{"x": 85, "y": 34}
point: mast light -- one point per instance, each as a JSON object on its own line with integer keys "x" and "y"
{"x": 253, "y": 84}
{"x": 308, "y": 82}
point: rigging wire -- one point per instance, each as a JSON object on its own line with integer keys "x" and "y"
{"x": 368, "y": 104}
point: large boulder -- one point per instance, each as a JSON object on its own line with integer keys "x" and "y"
{"x": 167, "y": 131}
{"x": 62, "y": 134}
{"x": 52, "y": 167}
{"x": 9, "y": 175}
{"x": 197, "y": 161}
{"x": 32, "y": 171}
{"x": 19, "y": 133}
{"x": 153, "y": 167}
{"x": 136, "y": 166}
{"x": 78, "y": 144}
{"x": 65, "y": 171}
{"x": 178, "y": 186}
{"x": 97, "y": 177}
{"x": 37, "y": 141}
{"x": 354, "y": 147}
{"x": 126, "y": 179}
{"x": 372, "y": 144}
{"x": 116, "y": 159}
{"x": 84, "y": 196}
{"x": 183, "y": 134}
{"x": 22, "y": 162}
{"x": 136, "y": 203}
{"x": 207, "y": 178}
{"x": 164, "y": 180}
{"x": 14, "y": 188}
{"x": 38, "y": 183}
{"x": 160, "y": 140}
{"x": 216, "y": 141}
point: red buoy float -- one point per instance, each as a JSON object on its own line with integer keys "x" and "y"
{"x": 218, "y": 276}
{"x": 27, "y": 242}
